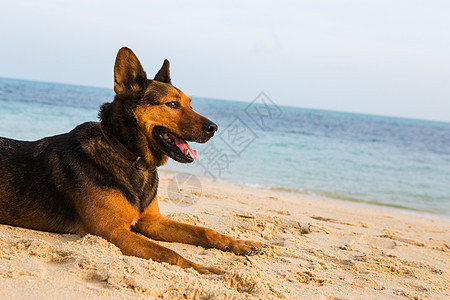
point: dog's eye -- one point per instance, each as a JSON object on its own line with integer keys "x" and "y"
{"x": 173, "y": 104}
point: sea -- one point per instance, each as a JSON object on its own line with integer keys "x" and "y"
{"x": 373, "y": 160}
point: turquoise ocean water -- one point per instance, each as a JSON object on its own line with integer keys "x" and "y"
{"x": 386, "y": 161}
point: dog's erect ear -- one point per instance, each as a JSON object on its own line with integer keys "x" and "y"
{"x": 163, "y": 74}
{"x": 128, "y": 72}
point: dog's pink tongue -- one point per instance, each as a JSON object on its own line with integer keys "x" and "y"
{"x": 184, "y": 147}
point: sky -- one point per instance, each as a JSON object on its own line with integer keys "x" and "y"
{"x": 377, "y": 57}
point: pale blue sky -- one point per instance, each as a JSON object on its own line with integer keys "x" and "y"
{"x": 377, "y": 57}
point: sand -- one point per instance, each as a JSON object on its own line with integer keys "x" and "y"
{"x": 318, "y": 249}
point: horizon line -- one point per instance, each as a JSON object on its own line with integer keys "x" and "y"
{"x": 243, "y": 101}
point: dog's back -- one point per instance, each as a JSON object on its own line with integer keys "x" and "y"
{"x": 42, "y": 170}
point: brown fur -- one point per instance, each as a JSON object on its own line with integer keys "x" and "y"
{"x": 79, "y": 182}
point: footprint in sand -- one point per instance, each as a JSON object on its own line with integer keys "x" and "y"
{"x": 374, "y": 242}
{"x": 319, "y": 218}
{"x": 403, "y": 240}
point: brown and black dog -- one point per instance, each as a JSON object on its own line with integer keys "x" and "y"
{"x": 101, "y": 178}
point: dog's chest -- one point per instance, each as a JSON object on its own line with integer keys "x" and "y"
{"x": 145, "y": 188}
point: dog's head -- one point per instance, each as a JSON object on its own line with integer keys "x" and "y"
{"x": 162, "y": 112}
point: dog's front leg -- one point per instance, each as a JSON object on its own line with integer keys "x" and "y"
{"x": 133, "y": 244}
{"x": 110, "y": 216}
{"x": 155, "y": 226}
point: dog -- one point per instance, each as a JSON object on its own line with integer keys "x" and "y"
{"x": 101, "y": 178}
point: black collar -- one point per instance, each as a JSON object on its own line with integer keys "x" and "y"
{"x": 135, "y": 160}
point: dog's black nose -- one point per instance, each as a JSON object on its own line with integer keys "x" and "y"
{"x": 209, "y": 127}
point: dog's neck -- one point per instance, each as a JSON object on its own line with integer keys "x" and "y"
{"x": 136, "y": 161}
{"x": 133, "y": 145}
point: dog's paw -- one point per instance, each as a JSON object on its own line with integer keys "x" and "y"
{"x": 243, "y": 247}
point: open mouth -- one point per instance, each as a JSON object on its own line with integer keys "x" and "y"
{"x": 174, "y": 146}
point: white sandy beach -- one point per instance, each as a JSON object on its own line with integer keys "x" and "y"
{"x": 350, "y": 252}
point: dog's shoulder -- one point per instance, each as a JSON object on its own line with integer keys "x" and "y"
{"x": 81, "y": 139}
{"x": 86, "y": 133}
